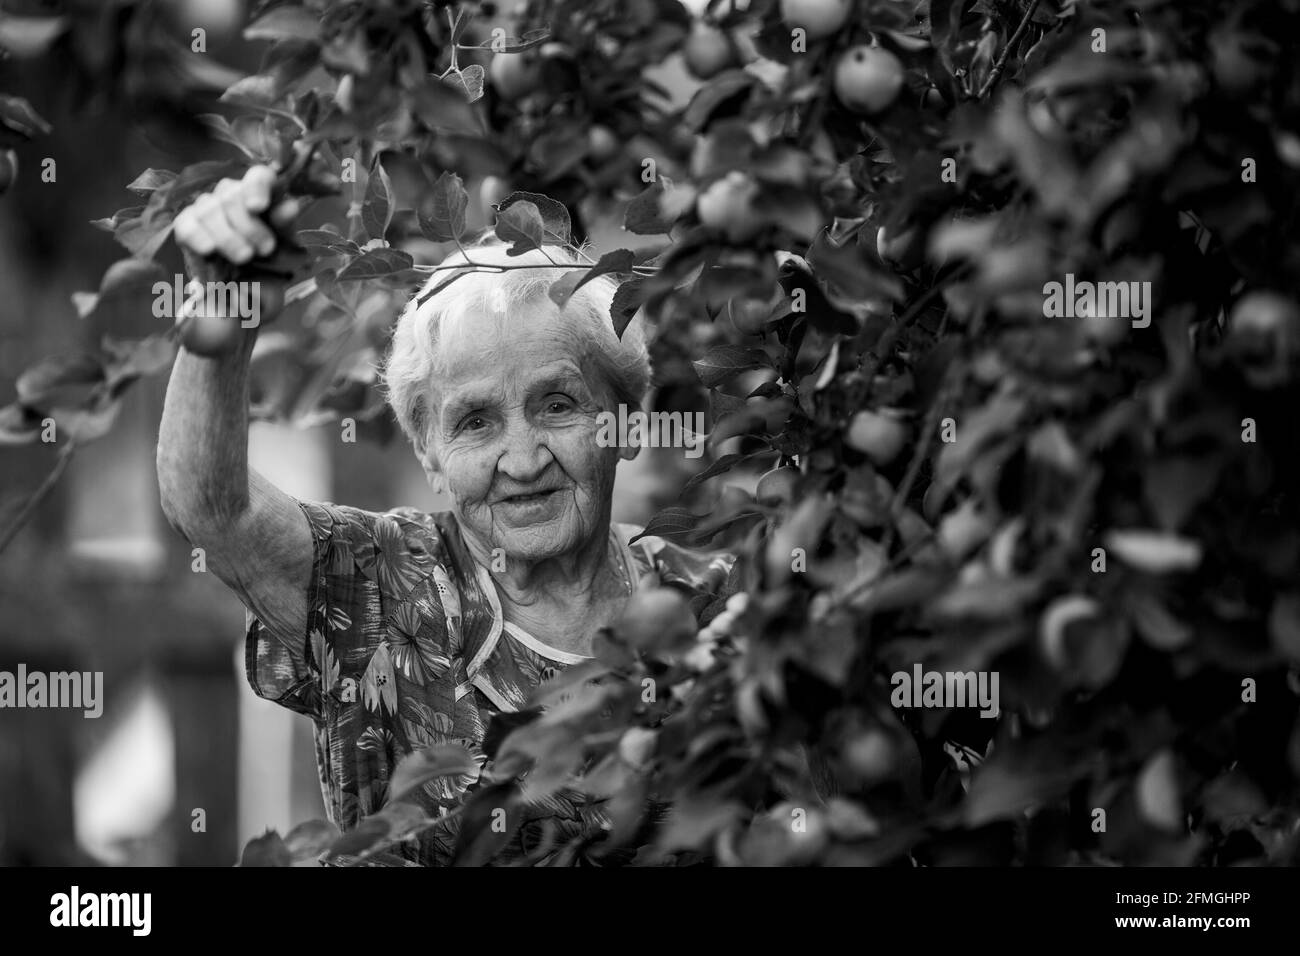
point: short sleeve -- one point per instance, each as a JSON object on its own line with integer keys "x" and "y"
{"x": 370, "y": 572}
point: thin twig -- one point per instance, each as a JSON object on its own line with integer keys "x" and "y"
{"x": 922, "y": 451}
{"x": 37, "y": 496}
{"x": 494, "y": 268}
{"x": 1006, "y": 52}
{"x": 889, "y": 338}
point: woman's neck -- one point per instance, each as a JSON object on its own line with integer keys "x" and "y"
{"x": 565, "y": 600}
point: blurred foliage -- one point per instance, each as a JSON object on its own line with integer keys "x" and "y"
{"x": 849, "y": 260}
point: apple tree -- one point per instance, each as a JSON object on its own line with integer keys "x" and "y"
{"x": 846, "y": 243}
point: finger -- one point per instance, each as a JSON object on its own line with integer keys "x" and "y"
{"x": 190, "y": 234}
{"x": 253, "y": 230}
{"x": 285, "y": 213}
{"x": 212, "y": 216}
{"x": 257, "y": 185}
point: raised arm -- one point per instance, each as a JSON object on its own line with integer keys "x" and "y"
{"x": 255, "y": 537}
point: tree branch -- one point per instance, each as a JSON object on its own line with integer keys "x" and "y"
{"x": 1006, "y": 52}
{"x": 37, "y": 496}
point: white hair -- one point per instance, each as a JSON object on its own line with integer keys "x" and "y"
{"x": 477, "y": 298}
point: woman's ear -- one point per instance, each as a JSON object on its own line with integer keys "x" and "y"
{"x": 628, "y": 452}
{"x": 429, "y": 462}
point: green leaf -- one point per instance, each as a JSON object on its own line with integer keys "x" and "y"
{"x": 719, "y": 467}
{"x": 722, "y": 404}
{"x": 530, "y": 39}
{"x": 553, "y": 770}
{"x": 559, "y": 150}
{"x": 257, "y": 91}
{"x": 405, "y": 820}
{"x": 1156, "y": 625}
{"x": 557, "y": 688}
{"x": 848, "y": 275}
{"x": 128, "y": 276}
{"x": 631, "y": 295}
{"x": 119, "y": 217}
{"x": 377, "y": 263}
{"x": 377, "y": 207}
{"x": 348, "y": 51}
{"x": 563, "y": 288}
{"x": 309, "y": 840}
{"x": 644, "y": 215}
{"x": 144, "y": 236}
{"x": 29, "y": 36}
{"x": 431, "y": 763}
{"x": 443, "y": 109}
{"x": 478, "y": 839}
{"x": 945, "y": 22}
{"x": 446, "y": 222}
{"x": 1153, "y": 551}
{"x": 710, "y": 529}
{"x": 694, "y": 821}
{"x": 909, "y": 42}
{"x": 198, "y": 178}
{"x": 19, "y": 425}
{"x": 19, "y": 122}
{"x": 993, "y": 599}
{"x": 976, "y": 429}
{"x": 221, "y": 129}
{"x": 266, "y": 850}
{"x": 1002, "y": 790}
{"x": 555, "y": 215}
{"x": 134, "y": 358}
{"x": 724, "y": 362}
{"x": 62, "y": 380}
{"x": 369, "y": 833}
{"x": 671, "y": 523}
{"x": 84, "y": 303}
{"x": 90, "y": 420}
{"x": 1284, "y": 625}
{"x": 708, "y": 99}
{"x": 1174, "y": 487}
{"x": 331, "y": 242}
{"x": 151, "y": 179}
{"x": 521, "y": 226}
{"x": 285, "y": 23}
{"x": 468, "y": 81}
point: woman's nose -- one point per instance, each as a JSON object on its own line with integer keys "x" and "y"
{"x": 525, "y": 455}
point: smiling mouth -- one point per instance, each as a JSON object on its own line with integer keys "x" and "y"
{"x": 530, "y": 499}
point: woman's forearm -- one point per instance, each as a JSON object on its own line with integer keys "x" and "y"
{"x": 203, "y": 441}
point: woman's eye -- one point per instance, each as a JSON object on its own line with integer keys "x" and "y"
{"x": 472, "y": 423}
{"x": 559, "y": 405}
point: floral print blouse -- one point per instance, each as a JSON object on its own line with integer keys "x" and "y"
{"x": 405, "y": 647}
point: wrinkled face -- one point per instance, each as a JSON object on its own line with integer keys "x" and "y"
{"x": 513, "y": 436}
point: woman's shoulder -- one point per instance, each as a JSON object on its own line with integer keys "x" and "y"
{"x": 371, "y": 562}
{"x": 329, "y": 519}
{"x": 384, "y": 535}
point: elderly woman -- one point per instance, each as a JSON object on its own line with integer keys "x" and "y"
{"x": 400, "y": 630}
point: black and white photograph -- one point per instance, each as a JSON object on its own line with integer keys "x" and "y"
{"x": 685, "y": 434}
